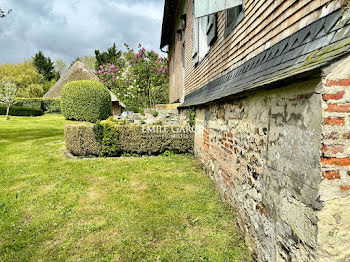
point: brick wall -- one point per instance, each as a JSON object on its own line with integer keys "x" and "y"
{"x": 334, "y": 219}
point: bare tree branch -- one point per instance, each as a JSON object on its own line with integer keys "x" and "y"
{"x": 4, "y": 14}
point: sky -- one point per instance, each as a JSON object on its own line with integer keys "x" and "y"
{"x": 66, "y": 29}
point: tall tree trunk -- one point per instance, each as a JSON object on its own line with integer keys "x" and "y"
{"x": 7, "y": 111}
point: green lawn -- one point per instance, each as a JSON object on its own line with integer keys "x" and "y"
{"x": 128, "y": 209}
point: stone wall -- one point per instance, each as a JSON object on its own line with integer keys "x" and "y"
{"x": 165, "y": 116}
{"x": 334, "y": 218}
{"x": 263, "y": 153}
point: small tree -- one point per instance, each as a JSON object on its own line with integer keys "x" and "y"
{"x": 8, "y": 93}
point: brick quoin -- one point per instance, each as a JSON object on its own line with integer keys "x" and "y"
{"x": 344, "y": 188}
{"x": 336, "y": 96}
{"x": 334, "y": 121}
{"x": 345, "y": 82}
{"x": 331, "y": 175}
{"x": 338, "y": 108}
{"x": 333, "y": 161}
{"x": 333, "y": 149}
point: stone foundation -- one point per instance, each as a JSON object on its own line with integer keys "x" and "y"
{"x": 281, "y": 159}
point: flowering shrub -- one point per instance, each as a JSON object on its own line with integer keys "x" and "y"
{"x": 142, "y": 83}
{"x": 8, "y": 92}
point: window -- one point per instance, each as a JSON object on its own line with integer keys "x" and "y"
{"x": 204, "y": 36}
{"x": 233, "y": 17}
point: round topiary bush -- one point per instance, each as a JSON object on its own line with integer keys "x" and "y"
{"x": 85, "y": 101}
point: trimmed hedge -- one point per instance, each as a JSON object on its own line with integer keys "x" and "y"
{"x": 51, "y": 105}
{"x": 134, "y": 140}
{"x": 81, "y": 140}
{"x": 21, "y": 111}
{"x": 115, "y": 139}
{"x": 85, "y": 101}
{"x": 29, "y": 103}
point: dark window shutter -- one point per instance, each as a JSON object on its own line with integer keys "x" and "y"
{"x": 211, "y": 29}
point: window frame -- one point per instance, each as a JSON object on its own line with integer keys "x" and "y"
{"x": 233, "y": 25}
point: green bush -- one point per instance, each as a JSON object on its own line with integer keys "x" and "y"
{"x": 85, "y": 101}
{"x": 81, "y": 140}
{"x": 51, "y": 105}
{"x": 29, "y": 103}
{"x": 21, "y": 111}
{"x": 116, "y": 140}
{"x": 155, "y": 113}
{"x": 107, "y": 134}
{"x": 143, "y": 140}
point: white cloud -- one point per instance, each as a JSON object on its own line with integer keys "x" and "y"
{"x": 65, "y": 29}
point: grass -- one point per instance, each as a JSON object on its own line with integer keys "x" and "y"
{"x": 127, "y": 209}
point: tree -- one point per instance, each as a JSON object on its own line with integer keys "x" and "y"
{"x": 26, "y": 78}
{"x": 112, "y": 56}
{"x": 45, "y": 66}
{"x": 76, "y": 59}
{"x": 142, "y": 84}
{"x": 60, "y": 66}
{"x": 89, "y": 61}
{"x": 8, "y": 92}
{"x": 4, "y": 14}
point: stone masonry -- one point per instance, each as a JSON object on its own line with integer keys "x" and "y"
{"x": 281, "y": 158}
{"x": 334, "y": 218}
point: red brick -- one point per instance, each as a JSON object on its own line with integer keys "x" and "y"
{"x": 336, "y": 96}
{"x": 228, "y": 151}
{"x": 336, "y": 161}
{"x": 334, "y": 121}
{"x": 333, "y": 149}
{"x": 338, "y": 108}
{"x": 331, "y": 175}
{"x": 344, "y": 82}
{"x": 344, "y": 188}
{"x": 227, "y": 181}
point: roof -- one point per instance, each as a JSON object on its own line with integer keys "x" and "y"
{"x": 78, "y": 71}
{"x": 307, "y": 50}
{"x": 168, "y": 25}
{"x": 115, "y": 99}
